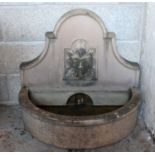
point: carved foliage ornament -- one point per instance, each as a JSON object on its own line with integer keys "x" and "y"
{"x": 79, "y": 63}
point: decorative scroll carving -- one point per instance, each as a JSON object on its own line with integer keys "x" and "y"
{"x": 80, "y": 68}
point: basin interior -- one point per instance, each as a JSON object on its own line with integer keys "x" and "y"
{"x": 79, "y": 104}
{"x": 82, "y": 110}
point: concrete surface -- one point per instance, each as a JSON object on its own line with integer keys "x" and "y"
{"x": 13, "y": 137}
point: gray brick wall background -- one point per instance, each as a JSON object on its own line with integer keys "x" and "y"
{"x": 22, "y": 29}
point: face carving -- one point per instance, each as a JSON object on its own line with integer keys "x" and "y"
{"x": 79, "y": 62}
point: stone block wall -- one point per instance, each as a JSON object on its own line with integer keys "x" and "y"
{"x": 23, "y": 25}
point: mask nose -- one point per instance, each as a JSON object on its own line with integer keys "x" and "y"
{"x": 80, "y": 66}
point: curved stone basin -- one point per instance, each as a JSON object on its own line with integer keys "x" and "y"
{"x": 79, "y": 132}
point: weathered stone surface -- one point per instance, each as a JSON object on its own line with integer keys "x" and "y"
{"x": 148, "y": 69}
{"x": 11, "y": 55}
{"x": 49, "y": 67}
{"x": 3, "y": 88}
{"x": 15, "y": 138}
{"x": 48, "y": 96}
{"x": 79, "y": 129}
{"x": 35, "y": 20}
{"x": 129, "y": 50}
{"x": 79, "y": 132}
{"x": 1, "y": 33}
{"x": 23, "y": 24}
{"x": 13, "y": 82}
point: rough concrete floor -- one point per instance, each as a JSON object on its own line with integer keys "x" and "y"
{"x": 13, "y": 137}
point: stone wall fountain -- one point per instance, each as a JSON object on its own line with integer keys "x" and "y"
{"x": 79, "y": 93}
